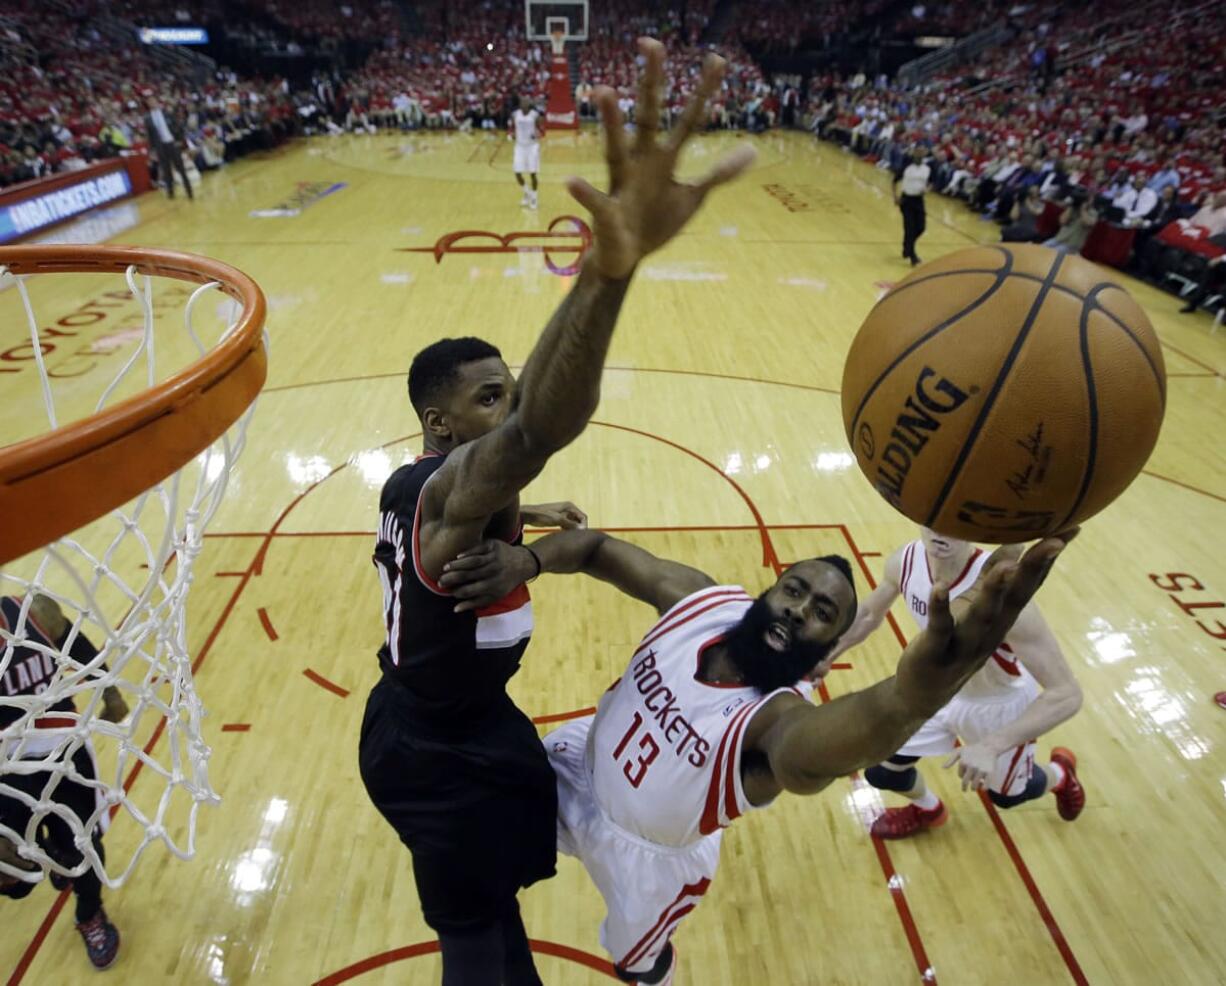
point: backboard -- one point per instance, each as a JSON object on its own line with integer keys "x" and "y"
{"x": 543, "y": 17}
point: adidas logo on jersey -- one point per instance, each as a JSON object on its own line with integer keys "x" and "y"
{"x": 731, "y": 707}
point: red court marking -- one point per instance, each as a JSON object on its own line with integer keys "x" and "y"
{"x": 40, "y": 936}
{"x": 870, "y": 554}
{"x": 840, "y": 667}
{"x": 266, "y": 623}
{"x": 769, "y": 558}
{"x": 1189, "y": 357}
{"x": 236, "y": 727}
{"x": 725, "y": 376}
{"x": 539, "y": 947}
{"x": 1186, "y": 486}
{"x": 624, "y": 369}
{"x": 323, "y": 682}
{"x": 321, "y": 383}
{"x": 893, "y": 884}
{"x": 1036, "y": 895}
{"x": 1053, "y": 928}
{"x": 230, "y": 575}
{"x": 257, "y": 566}
{"x": 563, "y": 716}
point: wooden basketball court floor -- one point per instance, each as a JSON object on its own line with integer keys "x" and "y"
{"x": 718, "y": 441}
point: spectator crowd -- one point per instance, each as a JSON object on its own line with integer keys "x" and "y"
{"x": 1111, "y": 112}
{"x": 1105, "y": 127}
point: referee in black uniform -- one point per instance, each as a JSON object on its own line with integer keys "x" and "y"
{"x": 445, "y": 755}
{"x": 914, "y": 179}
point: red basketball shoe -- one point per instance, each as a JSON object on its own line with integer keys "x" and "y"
{"x": 1220, "y": 698}
{"x": 1070, "y": 795}
{"x": 899, "y": 823}
{"x": 101, "y": 939}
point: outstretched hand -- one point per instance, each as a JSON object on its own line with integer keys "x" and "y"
{"x": 484, "y": 574}
{"x": 975, "y": 763}
{"x": 645, "y": 206}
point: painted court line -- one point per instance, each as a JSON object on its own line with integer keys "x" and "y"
{"x": 267, "y": 623}
{"x": 323, "y": 682}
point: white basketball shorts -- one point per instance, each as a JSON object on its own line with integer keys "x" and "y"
{"x": 972, "y": 719}
{"x": 527, "y": 159}
{"x": 647, "y": 888}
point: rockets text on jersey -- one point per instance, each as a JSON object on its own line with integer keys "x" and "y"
{"x": 665, "y": 748}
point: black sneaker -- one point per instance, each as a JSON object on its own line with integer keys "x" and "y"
{"x": 101, "y": 939}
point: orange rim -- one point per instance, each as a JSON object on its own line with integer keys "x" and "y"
{"x": 55, "y": 483}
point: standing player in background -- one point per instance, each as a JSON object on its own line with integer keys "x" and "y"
{"x": 527, "y": 129}
{"x": 708, "y": 721}
{"x": 1024, "y": 691}
{"x": 446, "y": 757}
{"x": 30, "y": 670}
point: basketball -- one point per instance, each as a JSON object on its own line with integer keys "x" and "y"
{"x": 1004, "y": 393}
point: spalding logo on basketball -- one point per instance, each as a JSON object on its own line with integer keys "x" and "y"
{"x": 1003, "y": 393}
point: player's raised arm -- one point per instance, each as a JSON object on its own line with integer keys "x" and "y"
{"x": 560, "y": 384}
{"x": 492, "y": 569}
{"x": 808, "y": 746}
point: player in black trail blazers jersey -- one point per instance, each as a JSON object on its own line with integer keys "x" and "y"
{"x": 29, "y": 669}
{"x": 445, "y": 755}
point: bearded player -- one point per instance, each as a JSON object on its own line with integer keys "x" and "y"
{"x": 1025, "y": 690}
{"x": 709, "y": 720}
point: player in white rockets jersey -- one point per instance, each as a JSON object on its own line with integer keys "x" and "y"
{"x": 526, "y": 130}
{"x": 709, "y": 720}
{"x": 1024, "y": 691}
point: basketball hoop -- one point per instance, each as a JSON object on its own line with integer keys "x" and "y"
{"x": 557, "y": 39}
{"x": 104, "y": 517}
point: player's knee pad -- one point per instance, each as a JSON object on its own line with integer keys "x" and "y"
{"x": 900, "y": 776}
{"x": 1036, "y": 785}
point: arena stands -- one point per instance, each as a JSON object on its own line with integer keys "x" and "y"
{"x": 781, "y": 25}
{"x": 1114, "y": 105}
{"x": 1111, "y": 103}
{"x": 72, "y": 91}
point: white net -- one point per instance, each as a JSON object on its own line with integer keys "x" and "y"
{"x": 99, "y": 715}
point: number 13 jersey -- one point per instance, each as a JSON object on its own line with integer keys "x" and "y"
{"x": 665, "y": 747}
